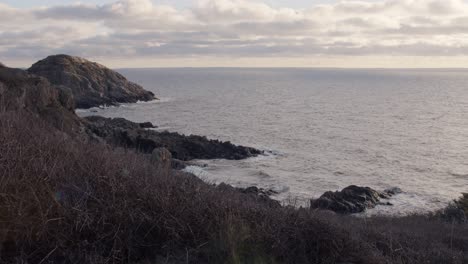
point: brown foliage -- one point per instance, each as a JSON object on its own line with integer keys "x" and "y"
{"x": 64, "y": 201}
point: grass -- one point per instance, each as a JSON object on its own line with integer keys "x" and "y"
{"x": 66, "y": 201}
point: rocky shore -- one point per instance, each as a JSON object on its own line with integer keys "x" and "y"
{"x": 66, "y": 82}
{"x": 121, "y": 132}
{"x": 53, "y": 87}
{"x": 101, "y": 190}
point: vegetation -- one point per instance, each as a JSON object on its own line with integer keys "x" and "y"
{"x": 462, "y": 203}
{"x": 65, "y": 201}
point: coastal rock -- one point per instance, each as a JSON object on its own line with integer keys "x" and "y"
{"x": 121, "y": 123}
{"x": 259, "y": 194}
{"x": 21, "y": 91}
{"x": 352, "y": 199}
{"x": 92, "y": 84}
{"x": 258, "y": 191}
{"x": 125, "y": 133}
{"x": 147, "y": 125}
{"x": 178, "y": 164}
{"x": 393, "y": 191}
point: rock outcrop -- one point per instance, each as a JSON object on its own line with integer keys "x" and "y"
{"x": 352, "y": 199}
{"x": 91, "y": 83}
{"x": 253, "y": 192}
{"x": 20, "y": 91}
{"x": 124, "y": 133}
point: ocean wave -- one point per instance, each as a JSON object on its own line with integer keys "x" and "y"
{"x": 458, "y": 175}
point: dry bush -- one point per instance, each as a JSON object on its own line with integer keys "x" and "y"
{"x": 65, "y": 201}
{"x": 462, "y": 203}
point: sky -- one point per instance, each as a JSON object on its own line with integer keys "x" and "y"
{"x": 238, "y": 33}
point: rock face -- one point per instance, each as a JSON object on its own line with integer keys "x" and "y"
{"x": 91, "y": 83}
{"x": 352, "y": 199}
{"x": 109, "y": 124}
{"x": 20, "y": 91}
{"x": 128, "y": 134}
{"x": 253, "y": 192}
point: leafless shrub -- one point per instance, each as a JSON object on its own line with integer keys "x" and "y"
{"x": 64, "y": 201}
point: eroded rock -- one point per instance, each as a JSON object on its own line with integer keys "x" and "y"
{"x": 352, "y": 199}
{"x": 253, "y": 192}
{"x": 121, "y": 132}
{"x": 92, "y": 84}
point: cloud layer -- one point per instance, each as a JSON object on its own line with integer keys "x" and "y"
{"x": 139, "y": 29}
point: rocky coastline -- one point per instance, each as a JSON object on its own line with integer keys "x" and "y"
{"x": 121, "y": 132}
{"x": 62, "y": 83}
{"x": 100, "y": 190}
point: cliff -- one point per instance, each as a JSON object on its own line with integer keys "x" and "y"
{"x": 92, "y": 84}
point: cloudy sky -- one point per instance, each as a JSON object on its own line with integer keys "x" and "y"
{"x": 245, "y": 33}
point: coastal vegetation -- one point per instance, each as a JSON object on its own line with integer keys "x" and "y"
{"x": 69, "y": 196}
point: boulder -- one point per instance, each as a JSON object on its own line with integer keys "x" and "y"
{"x": 392, "y": 191}
{"x": 147, "y": 125}
{"x": 92, "y": 84}
{"x": 178, "y": 164}
{"x": 352, "y": 199}
{"x": 257, "y": 191}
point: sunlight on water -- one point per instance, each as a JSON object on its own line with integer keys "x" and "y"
{"x": 327, "y": 128}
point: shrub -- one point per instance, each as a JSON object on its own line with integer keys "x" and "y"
{"x": 66, "y": 201}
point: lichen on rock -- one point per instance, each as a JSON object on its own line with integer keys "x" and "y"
{"x": 92, "y": 84}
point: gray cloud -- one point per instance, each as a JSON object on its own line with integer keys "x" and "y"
{"x": 139, "y": 28}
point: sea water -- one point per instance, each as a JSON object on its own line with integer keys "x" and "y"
{"x": 322, "y": 129}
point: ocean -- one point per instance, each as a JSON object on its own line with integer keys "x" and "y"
{"x": 322, "y": 129}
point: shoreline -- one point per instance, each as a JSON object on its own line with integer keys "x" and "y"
{"x": 373, "y": 212}
{"x": 102, "y": 190}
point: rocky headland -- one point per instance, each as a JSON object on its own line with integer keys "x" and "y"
{"x": 92, "y": 84}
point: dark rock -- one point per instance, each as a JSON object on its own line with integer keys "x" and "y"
{"x": 258, "y": 191}
{"x": 253, "y": 192}
{"x": 2, "y": 65}
{"x": 393, "y": 191}
{"x": 107, "y": 125}
{"x": 147, "y": 125}
{"x": 91, "y": 84}
{"x": 352, "y": 199}
{"x": 121, "y": 132}
{"x": 178, "y": 164}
